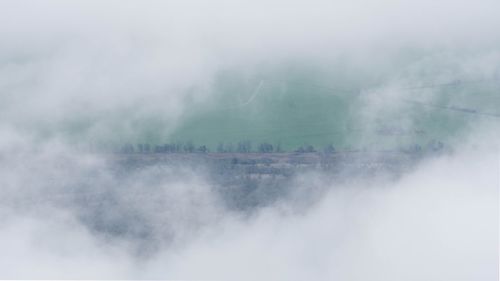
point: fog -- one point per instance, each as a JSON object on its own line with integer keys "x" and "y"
{"x": 81, "y": 74}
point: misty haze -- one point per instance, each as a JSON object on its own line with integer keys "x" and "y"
{"x": 256, "y": 140}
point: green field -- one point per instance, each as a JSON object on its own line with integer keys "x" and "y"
{"x": 298, "y": 104}
{"x": 297, "y": 110}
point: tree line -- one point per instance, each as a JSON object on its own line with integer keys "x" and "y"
{"x": 264, "y": 147}
{"x": 239, "y": 147}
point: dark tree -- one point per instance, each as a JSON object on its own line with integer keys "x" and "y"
{"x": 244, "y": 147}
{"x": 309, "y": 149}
{"x": 266, "y": 148}
{"x": 305, "y": 149}
{"x": 157, "y": 149}
{"x": 127, "y": 148}
{"x": 278, "y": 148}
{"x": 329, "y": 149}
{"x": 178, "y": 147}
{"x": 188, "y": 147}
{"x": 170, "y": 147}
{"x": 220, "y": 147}
{"x": 300, "y": 150}
{"x": 435, "y": 146}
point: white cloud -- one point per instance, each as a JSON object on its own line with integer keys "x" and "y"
{"x": 92, "y": 69}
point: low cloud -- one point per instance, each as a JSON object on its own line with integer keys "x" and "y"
{"x": 76, "y": 75}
